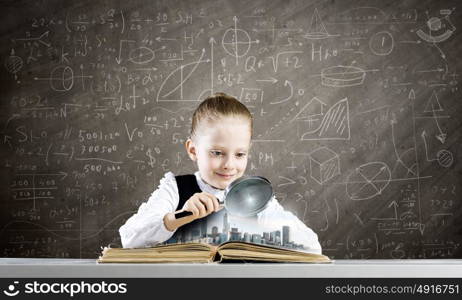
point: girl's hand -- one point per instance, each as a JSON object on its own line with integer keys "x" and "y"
{"x": 202, "y": 204}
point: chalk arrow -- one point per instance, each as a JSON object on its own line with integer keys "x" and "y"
{"x": 159, "y": 39}
{"x": 441, "y": 137}
{"x": 411, "y": 95}
{"x": 422, "y": 228}
{"x": 272, "y": 80}
{"x": 424, "y": 134}
{"x": 289, "y": 181}
{"x": 395, "y": 207}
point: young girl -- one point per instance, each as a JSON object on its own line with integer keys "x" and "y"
{"x": 219, "y": 144}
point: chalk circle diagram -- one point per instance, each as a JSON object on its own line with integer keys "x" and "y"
{"x": 61, "y": 78}
{"x": 342, "y": 76}
{"x": 181, "y": 82}
{"x": 334, "y": 124}
{"x": 141, "y": 55}
{"x": 438, "y": 29}
{"x": 14, "y": 64}
{"x": 317, "y": 30}
{"x": 367, "y": 181}
{"x": 236, "y": 41}
{"x": 444, "y": 158}
{"x": 381, "y": 43}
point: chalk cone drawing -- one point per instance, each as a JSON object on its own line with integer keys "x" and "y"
{"x": 312, "y": 111}
{"x": 433, "y": 106}
{"x": 317, "y": 30}
{"x": 324, "y": 164}
{"x": 179, "y": 82}
{"x": 334, "y": 124}
{"x": 342, "y": 76}
{"x": 368, "y": 181}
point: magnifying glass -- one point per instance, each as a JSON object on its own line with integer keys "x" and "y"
{"x": 244, "y": 197}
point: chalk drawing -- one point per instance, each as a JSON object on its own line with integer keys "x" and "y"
{"x": 443, "y": 157}
{"x": 317, "y": 30}
{"x": 143, "y": 55}
{"x": 438, "y": 29}
{"x": 381, "y": 43}
{"x": 368, "y": 181}
{"x": 62, "y": 78}
{"x": 251, "y": 96}
{"x": 324, "y": 164}
{"x": 14, "y": 64}
{"x": 342, "y": 76}
{"x": 184, "y": 72}
{"x": 236, "y": 41}
{"x": 433, "y": 106}
{"x": 332, "y": 125}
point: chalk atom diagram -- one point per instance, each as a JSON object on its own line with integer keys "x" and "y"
{"x": 437, "y": 30}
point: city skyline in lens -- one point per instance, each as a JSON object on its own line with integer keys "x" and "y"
{"x": 218, "y": 228}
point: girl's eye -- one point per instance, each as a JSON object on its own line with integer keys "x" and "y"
{"x": 241, "y": 155}
{"x": 216, "y": 153}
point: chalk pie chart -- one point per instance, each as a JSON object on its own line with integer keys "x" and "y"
{"x": 368, "y": 181}
{"x": 342, "y": 76}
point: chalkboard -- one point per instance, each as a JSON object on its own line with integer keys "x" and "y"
{"x": 357, "y": 108}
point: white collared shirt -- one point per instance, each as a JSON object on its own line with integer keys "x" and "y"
{"x": 146, "y": 228}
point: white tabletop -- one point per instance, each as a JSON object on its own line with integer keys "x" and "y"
{"x": 81, "y": 268}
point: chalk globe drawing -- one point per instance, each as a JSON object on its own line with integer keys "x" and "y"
{"x": 13, "y": 64}
{"x": 236, "y": 42}
{"x": 367, "y": 181}
{"x": 445, "y": 158}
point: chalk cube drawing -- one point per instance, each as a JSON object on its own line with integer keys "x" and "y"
{"x": 324, "y": 164}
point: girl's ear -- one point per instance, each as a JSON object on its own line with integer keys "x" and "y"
{"x": 191, "y": 149}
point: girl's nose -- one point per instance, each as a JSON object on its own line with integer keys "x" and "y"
{"x": 228, "y": 162}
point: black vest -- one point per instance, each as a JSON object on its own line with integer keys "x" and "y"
{"x": 187, "y": 187}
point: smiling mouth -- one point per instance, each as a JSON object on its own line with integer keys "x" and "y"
{"x": 225, "y": 175}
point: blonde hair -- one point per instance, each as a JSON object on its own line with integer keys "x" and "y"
{"x": 216, "y": 106}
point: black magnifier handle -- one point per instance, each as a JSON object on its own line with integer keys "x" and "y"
{"x": 186, "y": 213}
{"x": 182, "y": 214}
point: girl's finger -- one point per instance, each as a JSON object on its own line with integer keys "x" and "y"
{"x": 208, "y": 202}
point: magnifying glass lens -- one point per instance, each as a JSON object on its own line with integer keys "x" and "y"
{"x": 248, "y": 197}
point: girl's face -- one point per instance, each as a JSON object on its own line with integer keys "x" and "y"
{"x": 220, "y": 149}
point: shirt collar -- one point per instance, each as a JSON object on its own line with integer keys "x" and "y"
{"x": 205, "y": 187}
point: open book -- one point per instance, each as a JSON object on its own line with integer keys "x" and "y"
{"x": 231, "y": 251}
